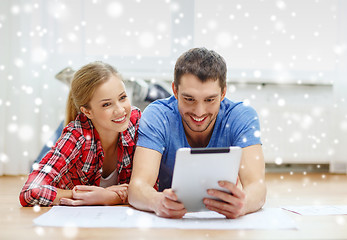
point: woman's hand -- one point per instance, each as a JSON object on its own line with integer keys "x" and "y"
{"x": 121, "y": 190}
{"x": 94, "y": 195}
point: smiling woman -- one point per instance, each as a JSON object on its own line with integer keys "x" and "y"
{"x": 91, "y": 162}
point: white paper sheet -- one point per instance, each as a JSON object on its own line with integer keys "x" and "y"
{"x": 318, "y": 210}
{"x": 126, "y": 217}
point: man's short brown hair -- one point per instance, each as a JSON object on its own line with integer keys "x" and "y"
{"x": 204, "y": 64}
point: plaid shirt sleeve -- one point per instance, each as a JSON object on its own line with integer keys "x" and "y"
{"x": 40, "y": 188}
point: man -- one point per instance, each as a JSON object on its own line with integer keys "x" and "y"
{"x": 198, "y": 115}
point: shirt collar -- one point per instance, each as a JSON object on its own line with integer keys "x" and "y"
{"x": 128, "y": 136}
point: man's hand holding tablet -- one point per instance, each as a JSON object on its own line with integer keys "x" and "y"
{"x": 206, "y": 178}
{"x": 169, "y": 206}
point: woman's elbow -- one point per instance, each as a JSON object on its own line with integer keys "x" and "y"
{"x": 23, "y": 198}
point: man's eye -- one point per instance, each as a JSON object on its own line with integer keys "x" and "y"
{"x": 210, "y": 100}
{"x": 106, "y": 104}
{"x": 189, "y": 99}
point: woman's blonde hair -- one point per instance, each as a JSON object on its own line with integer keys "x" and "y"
{"x": 83, "y": 85}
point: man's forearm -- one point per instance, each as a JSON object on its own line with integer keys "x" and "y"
{"x": 255, "y": 196}
{"x": 142, "y": 196}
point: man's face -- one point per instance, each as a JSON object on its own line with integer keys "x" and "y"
{"x": 198, "y": 103}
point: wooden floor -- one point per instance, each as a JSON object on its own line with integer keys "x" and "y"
{"x": 283, "y": 189}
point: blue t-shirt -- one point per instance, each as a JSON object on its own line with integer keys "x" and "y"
{"x": 161, "y": 129}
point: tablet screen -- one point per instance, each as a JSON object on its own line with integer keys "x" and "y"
{"x": 199, "y": 169}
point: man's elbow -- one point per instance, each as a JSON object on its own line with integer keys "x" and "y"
{"x": 263, "y": 198}
{"x": 132, "y": 190}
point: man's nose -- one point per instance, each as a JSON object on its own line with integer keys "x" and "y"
{"x": 199, "y": 109}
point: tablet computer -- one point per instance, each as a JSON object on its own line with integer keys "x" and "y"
{"x": 199, "y": 169}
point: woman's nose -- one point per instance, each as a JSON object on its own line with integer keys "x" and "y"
{"x": 118, "y": 108}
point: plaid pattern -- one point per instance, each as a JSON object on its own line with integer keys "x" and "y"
{"x": 76, "y": 159}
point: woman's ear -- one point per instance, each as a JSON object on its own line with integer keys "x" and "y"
{"x": 86, "y": 112}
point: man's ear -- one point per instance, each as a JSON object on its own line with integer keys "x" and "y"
{"x": 86, "y": 112}
{"x": 224, "y": 93}
{"x": 174, "y": 90}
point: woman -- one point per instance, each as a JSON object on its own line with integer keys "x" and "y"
{"x": 91, "y": 162}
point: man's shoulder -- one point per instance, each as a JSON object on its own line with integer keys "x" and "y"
{"x": 162, "y": 106}
{"x": 237, "y": 112}
{"x": 229, "y": 106}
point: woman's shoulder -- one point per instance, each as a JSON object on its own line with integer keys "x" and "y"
{"x": 80, "y": 127}
{"x": 135, "y": 114}
{"x": 135, "y": 110}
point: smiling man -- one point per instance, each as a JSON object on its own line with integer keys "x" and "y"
{"x": 198, "y": 115}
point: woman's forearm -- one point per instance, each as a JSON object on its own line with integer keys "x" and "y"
{"x": 62, "y": 193}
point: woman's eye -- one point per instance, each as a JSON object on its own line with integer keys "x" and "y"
{"x": 123, "y": 97}
{"x": 106, "y": 104}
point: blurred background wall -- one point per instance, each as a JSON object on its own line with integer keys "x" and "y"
{"x": 285, "y": 58}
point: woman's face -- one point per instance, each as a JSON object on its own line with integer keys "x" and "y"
{"x": 109, "y": 108}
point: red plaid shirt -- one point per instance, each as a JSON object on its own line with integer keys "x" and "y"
{"x": 76, "y": 159}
